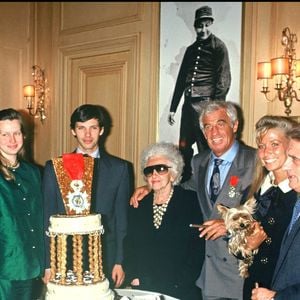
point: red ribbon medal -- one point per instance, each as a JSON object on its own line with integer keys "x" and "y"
{"x": 74, "y": 165}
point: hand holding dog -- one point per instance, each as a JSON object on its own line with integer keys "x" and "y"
{"x": 213, "y": 229}
{"x": 257, "y": 237}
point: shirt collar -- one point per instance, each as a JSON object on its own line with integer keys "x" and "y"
{"x": 95, "y": 154}
{"x": 230, "y": 154}
{"x": 269, "y": 182}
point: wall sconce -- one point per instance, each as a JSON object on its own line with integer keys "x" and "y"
{"x": 285, "y": 70}
{"x": 36, "y": 94}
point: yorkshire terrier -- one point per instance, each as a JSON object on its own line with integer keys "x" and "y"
{"x": 239, "y": 224}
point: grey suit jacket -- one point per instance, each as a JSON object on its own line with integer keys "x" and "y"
{"x": 110, "y": 198}
{"x": 219, "y": 275}
{"x": 286, "y": 277}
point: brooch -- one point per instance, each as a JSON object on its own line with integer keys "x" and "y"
{"x": 232, "y": 186}
{"x": 78, "y": 200}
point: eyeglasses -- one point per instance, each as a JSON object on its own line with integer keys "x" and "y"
{"x": 160, "y": 169}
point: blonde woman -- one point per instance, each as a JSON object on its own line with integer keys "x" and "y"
{"x": 275, "y": 199}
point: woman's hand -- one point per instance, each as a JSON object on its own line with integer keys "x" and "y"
{"x": 262, "y": 294}
{"x": 257, "y": 237}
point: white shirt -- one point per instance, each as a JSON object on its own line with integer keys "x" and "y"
{"x": 95, "y": 154}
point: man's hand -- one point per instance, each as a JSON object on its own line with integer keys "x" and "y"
{"x": 47, "y": 276}
{"x": 171, "y": 119}
{"x": 118, "y": 275}
{"x": 138, "y": 195}
{"x": 257, "y": 237}
{"x": 213, "y": 229}
{"x": 262, "y": 294}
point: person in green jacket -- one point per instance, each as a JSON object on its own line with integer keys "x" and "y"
{"x": 21, "y": 215}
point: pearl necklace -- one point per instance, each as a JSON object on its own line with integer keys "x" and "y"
{"x": 159, "y": 211}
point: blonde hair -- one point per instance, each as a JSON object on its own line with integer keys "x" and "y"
{"x": 262, "y": 126}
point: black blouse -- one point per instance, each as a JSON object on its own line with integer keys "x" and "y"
{"x": 169, "y": 259}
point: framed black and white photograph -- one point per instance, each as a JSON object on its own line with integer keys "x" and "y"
{"x": 177, "y": 33}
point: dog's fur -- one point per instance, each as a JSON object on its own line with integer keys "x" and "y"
{"x": 238, "y": 222}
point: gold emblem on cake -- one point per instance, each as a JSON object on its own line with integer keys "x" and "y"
{"x": 78, "y": 200}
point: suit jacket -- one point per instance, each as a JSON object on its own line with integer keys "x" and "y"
{"x": 286, "y": 278}
{"x": 110, "y": 198}
{"x": 219, "y": 275}
{"x": 204, "y": 71}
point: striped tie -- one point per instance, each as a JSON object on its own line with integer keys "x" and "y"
{"x": 215, "y": 183}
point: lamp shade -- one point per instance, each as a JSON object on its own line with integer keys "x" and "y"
{"x": 264, "y": 70}
{"x": 280, "y": 66}
{"x": 29, "y": 91}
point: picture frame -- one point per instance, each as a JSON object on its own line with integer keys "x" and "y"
{"x": 176, "y": 34}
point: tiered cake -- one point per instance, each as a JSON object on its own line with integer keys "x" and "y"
{"x": 84, "y": 231}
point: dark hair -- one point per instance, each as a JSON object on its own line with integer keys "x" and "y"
{"x": 10, "y": 114}
{"x": 86, "y": 112}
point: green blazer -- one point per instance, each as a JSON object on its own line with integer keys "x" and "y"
{"x": 21, "y": 224}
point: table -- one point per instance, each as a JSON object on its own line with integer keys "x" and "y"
{"x": 143, "y": 295}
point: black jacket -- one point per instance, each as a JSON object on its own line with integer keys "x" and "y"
{"x": 204, "y": 72}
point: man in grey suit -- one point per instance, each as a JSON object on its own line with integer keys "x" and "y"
{"x": 219, "y": 277}
{"x": 110, "y": 188}
{"x": 286, "y": 277}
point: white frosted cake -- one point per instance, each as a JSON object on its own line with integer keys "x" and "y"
{"x": 72, "y": 235}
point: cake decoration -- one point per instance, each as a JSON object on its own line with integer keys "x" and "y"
{"x": 70, "y": 236}
{"x": 74, "y": 173}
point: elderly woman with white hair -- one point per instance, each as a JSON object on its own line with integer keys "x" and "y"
{"x": 164, "y": 253}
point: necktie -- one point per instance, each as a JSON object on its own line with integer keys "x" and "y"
{"x": 296, "y": 213}
{"x": 215, "y": 182}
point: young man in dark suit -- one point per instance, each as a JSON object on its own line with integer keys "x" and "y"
{"x": 110, "y": 188}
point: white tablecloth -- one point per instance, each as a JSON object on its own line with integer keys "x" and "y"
{"x": 142, "y": 295}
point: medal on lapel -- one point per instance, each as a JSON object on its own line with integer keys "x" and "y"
{"x": 232, "y": 186}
